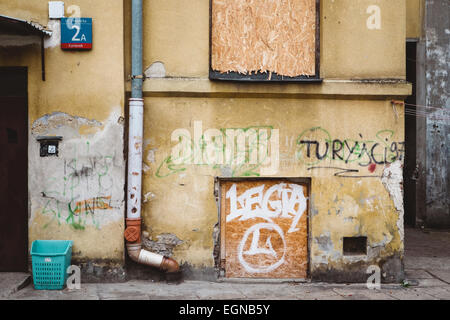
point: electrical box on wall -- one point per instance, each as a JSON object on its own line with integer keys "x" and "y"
{"x": 49, "y": 146}
{"x": 56, "y": 9}
{"x": 76, "y": 33}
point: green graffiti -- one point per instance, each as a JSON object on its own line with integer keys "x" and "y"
{"x": 65, "y": 197}
{"x": 256, "y": 139}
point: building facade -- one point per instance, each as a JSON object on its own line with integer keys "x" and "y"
{"x": 241, "y": 178}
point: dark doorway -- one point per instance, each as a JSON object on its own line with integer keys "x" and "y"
{"x": 409, "y": 172}
{"x": 13, "y": 169}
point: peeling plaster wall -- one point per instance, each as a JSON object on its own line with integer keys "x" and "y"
{"x": 392, "y": 179}
{"x": 78, "y": 195}
{"x": 437, "y": 87}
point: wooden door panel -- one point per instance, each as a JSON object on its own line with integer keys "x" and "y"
{"x": 264, "y": 228}
{"x": 13, "y": 171}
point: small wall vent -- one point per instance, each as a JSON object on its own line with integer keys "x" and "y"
{"x": 355, "y": 246}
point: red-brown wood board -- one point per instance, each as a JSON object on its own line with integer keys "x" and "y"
{"x": 264, "y": 228}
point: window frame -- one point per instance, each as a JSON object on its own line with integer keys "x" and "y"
{"x": 263, "y": 77}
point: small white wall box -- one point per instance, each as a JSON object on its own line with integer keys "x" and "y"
{"x": 55, "y": 9}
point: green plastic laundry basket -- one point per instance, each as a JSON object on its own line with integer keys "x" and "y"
{"x": 50, "y": 260}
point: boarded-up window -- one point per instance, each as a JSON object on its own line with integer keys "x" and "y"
{"x": 265, "y": 40}
{"x": 263, "y": 228}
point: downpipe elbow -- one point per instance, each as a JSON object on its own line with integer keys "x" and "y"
{"x": 142, "y": 256}
{"x": 169, "y": 265}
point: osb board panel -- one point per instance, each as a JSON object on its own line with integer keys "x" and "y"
{"x": 264, "y": 35}
{"x": 264, "y": 229}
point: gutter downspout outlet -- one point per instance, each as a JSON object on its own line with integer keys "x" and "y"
{"x": 139, "y": 255}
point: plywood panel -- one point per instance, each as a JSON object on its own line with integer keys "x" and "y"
{"x": 264, "y": 224}
{"x": 264, "y": 36}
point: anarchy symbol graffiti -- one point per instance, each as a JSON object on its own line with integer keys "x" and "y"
{"x": 255, "y": 249}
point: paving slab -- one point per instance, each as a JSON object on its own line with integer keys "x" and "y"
{"x": 417, "y": 274}
{"x": 431, "y": 283}
{"x": 317, "y": 293}
{"x": 320, "y": 295}
{"x": 410, "y": 294}
{"x": 443, "y": 275}
{"x": 210, "y": 293}
{"x": 436, "y": 292}
{"x": 11, "y": 282}
{"x": 362, "y": 294}
{"x": 86, "y": 292}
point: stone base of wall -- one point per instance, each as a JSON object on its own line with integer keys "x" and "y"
{"x": 99, "y": 271}
{"x": 392, "y": 271}
{"x": 136, "y": 271}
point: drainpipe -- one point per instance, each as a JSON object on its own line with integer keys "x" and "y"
{"x": 135, "y": 133}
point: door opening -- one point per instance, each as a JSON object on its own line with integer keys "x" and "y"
{"x": 13, "y": 169}
{"x": 410, "y": 171}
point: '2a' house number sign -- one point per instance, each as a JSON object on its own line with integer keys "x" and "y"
{"x": 76, "y": 33}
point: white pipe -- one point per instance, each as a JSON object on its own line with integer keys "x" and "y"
{"x": 135, "y": 137}
{"x": 135, "y": 157}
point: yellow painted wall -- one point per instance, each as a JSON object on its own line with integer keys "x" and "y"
{"x": 82, "y": 100}
{"x": 350, "y": 50}
{"x": 414, "y": 18}
{"x": 87, "y": 89}
{"x": 178, "y": 36}
{"x": 181, "y": 197}
{"x": 95, "y": 78}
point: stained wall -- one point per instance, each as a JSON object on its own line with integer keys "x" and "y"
{"x": 79, "y": 194}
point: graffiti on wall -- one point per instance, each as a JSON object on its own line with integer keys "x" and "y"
{"x": 316, "y": 146}
{"x": 246, "y": 152}
{"x": 265, "y": 229}
{"x": 82, "y": 190}
{"x": 254, "y": 151}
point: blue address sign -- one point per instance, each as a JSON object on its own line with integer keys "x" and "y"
{"x": 76, "y": 33}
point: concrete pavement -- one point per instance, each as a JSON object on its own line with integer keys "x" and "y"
{"x": 11, "y": 282}
{"x": 427, "y": 288}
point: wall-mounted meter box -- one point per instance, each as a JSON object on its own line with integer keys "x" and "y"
{"x": 76, "y": 33}
{"x": 48, "y": 145}
{"x": 55, "y": 9}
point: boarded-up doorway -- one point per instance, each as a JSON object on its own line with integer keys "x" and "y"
{"x": 13, "y": 169}
{"x": 264, "y": 228}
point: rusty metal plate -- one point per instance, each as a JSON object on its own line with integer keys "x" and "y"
{"x": 264, "y": 229}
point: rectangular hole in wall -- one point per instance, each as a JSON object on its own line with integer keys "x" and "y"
{"x": 355, "y": 246}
